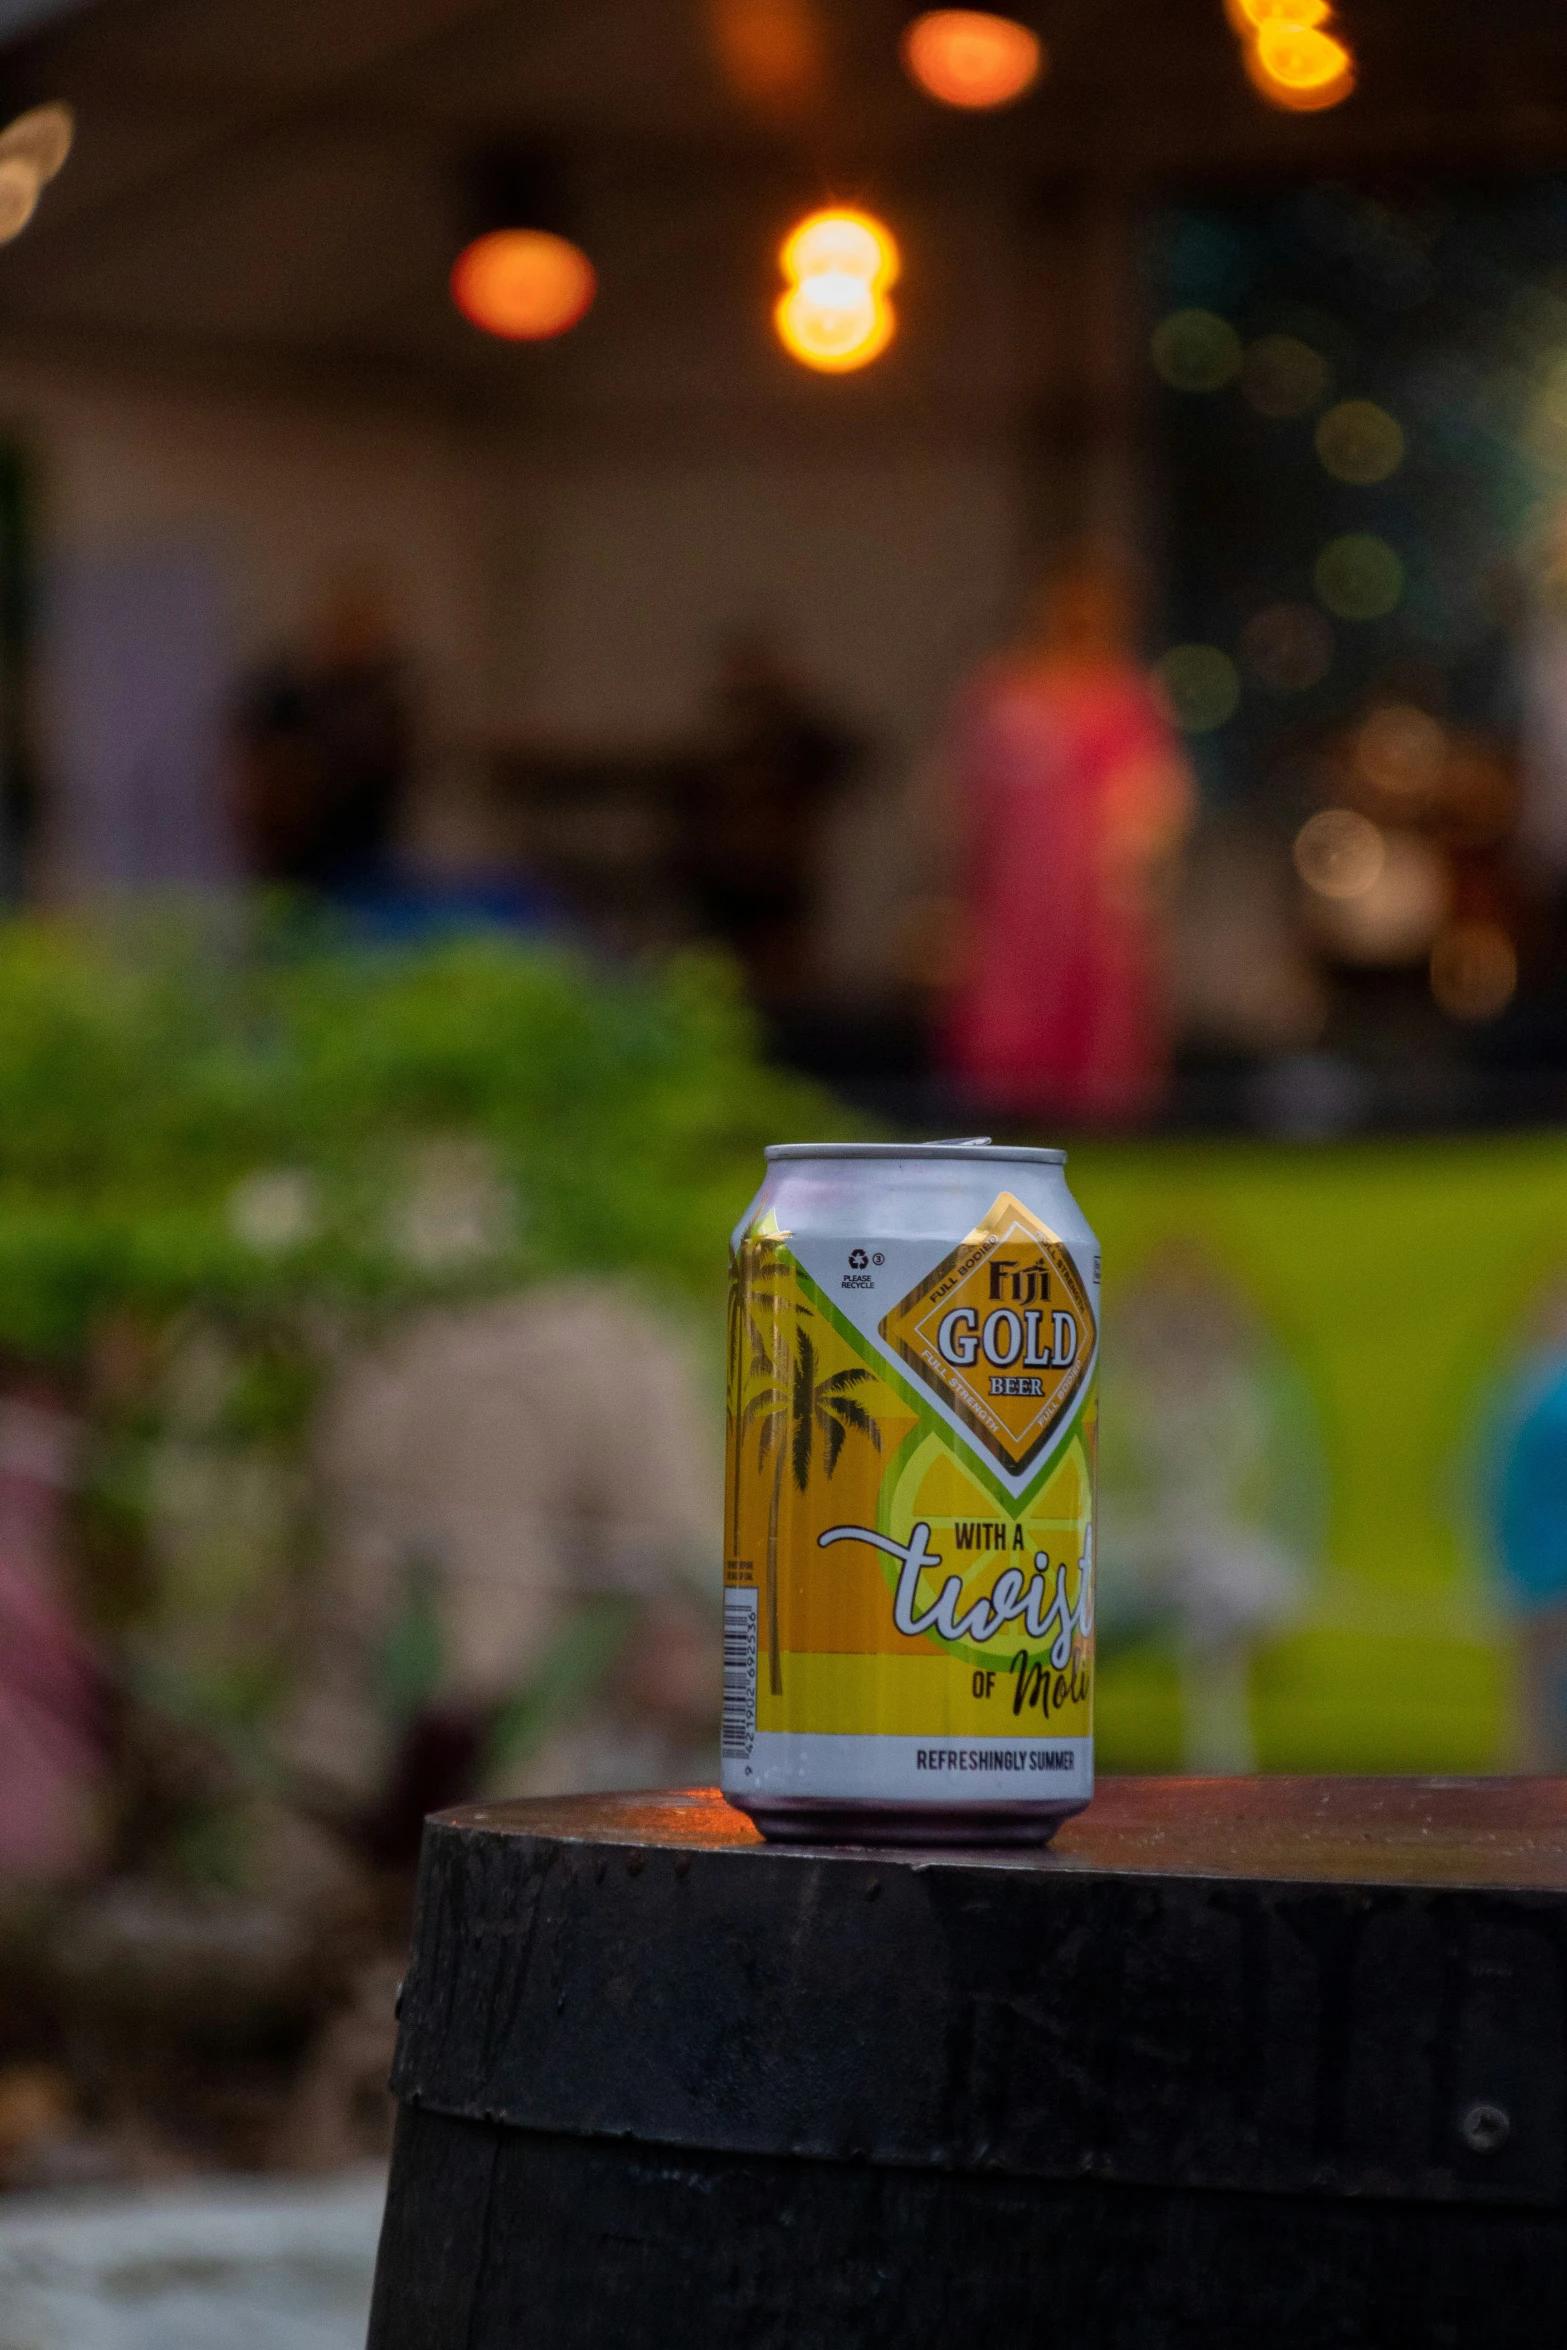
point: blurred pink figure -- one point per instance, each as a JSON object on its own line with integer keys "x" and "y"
{"x": 51, "y": 1695}
{"x": 1073, "y": 793}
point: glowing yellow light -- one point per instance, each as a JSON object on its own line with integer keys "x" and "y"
{"x": 523, "y": 284}
{"x": 835, "y": 323}
{"x": 1298, "y": 66}
{"x": 32, "y": 150}
{"x": 850, "y": 244}
{"x": 19, "y": 192}
{"x": 835, "y": 315}
{"x": 967, "y": 57}
{"x": 1247, "y": 15}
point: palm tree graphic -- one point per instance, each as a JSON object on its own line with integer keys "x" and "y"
{"x": 789, "y": 1412}
{"x": 755, "y": 1302}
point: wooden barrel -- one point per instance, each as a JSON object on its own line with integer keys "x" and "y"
{"x": 1273, "y": 2063}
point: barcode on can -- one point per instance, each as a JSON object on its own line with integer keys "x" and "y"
{"x": 739, "y": 1671}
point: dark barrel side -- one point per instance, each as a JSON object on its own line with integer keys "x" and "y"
{"x": 1231, "y": 2058}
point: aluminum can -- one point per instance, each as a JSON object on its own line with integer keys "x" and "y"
{"x": 909, "y": 1535}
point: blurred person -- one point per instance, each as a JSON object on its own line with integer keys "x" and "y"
{"x": 324, "y": 750}
{"x": 1529, "y": 1514}
{"x": 1071, "y": 798}
{"x": 752, "y": 832}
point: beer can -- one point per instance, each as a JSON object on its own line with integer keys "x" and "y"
{"x": 909, "y": 1536}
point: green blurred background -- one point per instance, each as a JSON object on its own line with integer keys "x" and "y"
{"x": 1402, "y": 1280}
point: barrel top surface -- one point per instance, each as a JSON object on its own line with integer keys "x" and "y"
{"x": 1296, "y": 1986}
{"x": 1330, "y": 1831}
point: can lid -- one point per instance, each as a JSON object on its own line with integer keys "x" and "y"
{"x": 972, "y": 1146}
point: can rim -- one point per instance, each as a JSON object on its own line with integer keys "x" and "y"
{"x": 978, "y": 1149}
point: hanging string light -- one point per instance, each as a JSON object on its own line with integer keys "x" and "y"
{"x": 520, "y": 276}
{"x": 1248, "y": 16}
{"x": 839, "y": 267}
{"x": 1290, "y": 53}
{"x": 970, "y": 57}
{"x": 523, "y": 284}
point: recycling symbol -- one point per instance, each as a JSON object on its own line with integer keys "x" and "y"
{"x": 858, "y": 1259}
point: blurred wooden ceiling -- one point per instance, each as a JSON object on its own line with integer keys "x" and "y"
{"x": 273, "y": 183}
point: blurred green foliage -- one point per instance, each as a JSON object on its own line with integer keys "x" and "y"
{"x": 249, "y": 1115}
{"x": 233, "y": 1146}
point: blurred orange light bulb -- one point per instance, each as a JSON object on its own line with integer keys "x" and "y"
{"x": 1248, "y": 16}
{"x": 835, "y": 315}
{"x": 967, "y": 57}
{"x": 834, "y": 323}
{"x": 850, "y": 242}
{"x": 1299, "y": 67}
{"x": 523, "y": 284}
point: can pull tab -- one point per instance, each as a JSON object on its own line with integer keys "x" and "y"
{"x": 961, "y": 1142}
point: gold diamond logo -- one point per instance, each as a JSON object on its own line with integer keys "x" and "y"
{"x": 1002, "y": 1331}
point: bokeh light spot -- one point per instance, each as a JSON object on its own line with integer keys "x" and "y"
{"x": 1402, "y": 751}
{"x": 1394, "y": 918}
{"x": 835, "y": 315}
{"x": 1196, "y": 350}
{"x": 32, "y": 149}
{"x": 1474, "y": 970}
{"x": 1288, "y": 647}
{"x": 834, "y": 322}
{"x": 523, "y": 284}
{"x": 1299, "y": 67}
{"x": 1359, "y": 442}
{"x": 848, "y": 243}
{"x": 1202, "y": 685}
{"x": 19, "y": 191}
{"x": 1339, "y": 854}
{"x": 1359, "y": 577}
{"x": 1282, "y": 376}
{"x": 43, "y": 137}
{"x": 968, "y": 57}
{"x": 1248, "y": 16}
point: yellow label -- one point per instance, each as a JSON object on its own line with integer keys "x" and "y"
{"x": 1002, "y": 1331}
{"x": 915, "y": 1516}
